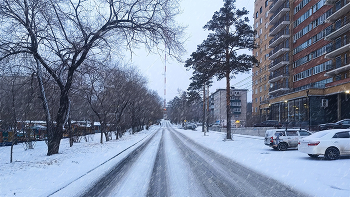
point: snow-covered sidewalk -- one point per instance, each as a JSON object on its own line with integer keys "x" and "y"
{"x": 317, "y": 177}
{"x": 34, "y": 174}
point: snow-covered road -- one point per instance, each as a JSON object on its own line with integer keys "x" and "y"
{"x": 207, "y": 174}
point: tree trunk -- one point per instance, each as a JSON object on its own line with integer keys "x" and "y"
{"x": 228, "y": 107}
{"x": 54, "y": 138}
{"x": 70, "y": 132}
{"x": 203, "y": 120}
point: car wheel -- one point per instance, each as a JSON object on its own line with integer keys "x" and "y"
{"x": 332, "y": 153}
{"x": 313, "y": 155}
{"x": 282, "y": 146}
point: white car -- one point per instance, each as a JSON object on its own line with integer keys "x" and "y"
{"x": 282, "y": 139}
{"x": 330, "y": 143}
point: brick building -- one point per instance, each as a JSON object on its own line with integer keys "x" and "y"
{"x": 309, "y": 69}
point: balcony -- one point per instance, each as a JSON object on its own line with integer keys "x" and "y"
{"x": 336, "y": 83}
{"x": 267, "y": 101}
{"x": 336, "y": 71}
{"x": 279, "y": 50}
{"x": 278, "y": 63}
{"x": 276, "y": 76}
{"x": 339, "y": 13}
{"x": 337, "y": 49}
{"x": 279, "y": 87}
{"x": 338, "y": 31}
{"x": 330, "y": 2}
{"x": 279, "y": 37}
{"x": 279, "y": 12}
{"x": 275, "y": 5}
{"x": 279, "y": 25}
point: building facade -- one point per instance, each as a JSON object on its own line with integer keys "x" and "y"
{"x": 238, "y": 103}
{"x": 309, "y": 70}
{"x": 261, "y": 72}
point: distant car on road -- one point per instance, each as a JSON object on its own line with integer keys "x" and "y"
{"x": 342, "y": 124}
{"x": 282, "y": 139}
{"x": 330, "y": 143}
{"x": 190, "y": 126}
{"x": 269, "y": 123}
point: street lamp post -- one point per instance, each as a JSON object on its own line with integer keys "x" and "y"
{"x": 308, "y": 108}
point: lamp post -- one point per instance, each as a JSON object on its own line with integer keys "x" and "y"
{"x": 308, "y": 108}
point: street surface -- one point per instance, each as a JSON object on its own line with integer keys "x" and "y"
{"x": 177, "y": 166}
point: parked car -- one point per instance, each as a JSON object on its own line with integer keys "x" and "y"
{"x": 190, "y": 126}
{"x": 342, "y": 124}
{"x": 282, "y": 139}
{"x": 330, "y": 143}
{"x": 269, "y": 123}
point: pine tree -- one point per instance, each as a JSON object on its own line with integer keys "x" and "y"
{"x": 220, "y": 54}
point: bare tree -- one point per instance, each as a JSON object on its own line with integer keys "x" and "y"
{"x": 62, "y": 35}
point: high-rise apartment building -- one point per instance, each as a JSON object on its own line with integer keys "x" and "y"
{"x": 309, "y": 70}
{"x": 260, "y": 73}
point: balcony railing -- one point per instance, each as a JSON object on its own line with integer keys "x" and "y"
{"x": 335, "y": 69}
{"x": 285, "y": 18}
{"x": 275, "y": 75}
{"x": 338, "y": 30}
{"x": 282, "y": 86}
{"x": 279, "y": 50}
{"x": 275, "y": 40}
{"x": 339, "y": 46}
{"x": 340, "y": 10}
{"x": 279, "y": 62}
{"x": 279, "y": 9}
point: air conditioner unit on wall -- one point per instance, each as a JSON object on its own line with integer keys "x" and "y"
{"x": 324, "y": 103}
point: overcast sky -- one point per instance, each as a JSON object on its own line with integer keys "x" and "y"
{"x": 195, "y": 14}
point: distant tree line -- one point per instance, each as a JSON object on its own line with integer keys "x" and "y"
{"x": 187, "y": 106}
{"x": 117, "y": 97}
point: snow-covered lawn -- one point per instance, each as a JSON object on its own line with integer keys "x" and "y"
{"x": 317, "y": 177}
{"x": 35, "y": 174}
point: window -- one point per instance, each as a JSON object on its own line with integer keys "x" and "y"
{"x": 261, "y": 20}
{"x": 292, "y": 133}
{"x": 266, "y": 3}
{"x": 304, "y": 133}
{"x": 260, "y": 10}
{"x": 344, "y": 134}
{"x": 338, "y": 77}
{"x": 256, "y": 15}
{"x": 267, "y": 14}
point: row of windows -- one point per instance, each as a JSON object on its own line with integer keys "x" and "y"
{"x": 302, "y": 75}
{"x": 236, "y": 104}
{"x": 301, "y": 5}
{"x": 311, "y": 41}
{"x": 322, "y": 67}
{"x": 313, "y": 71}
{"x": 319, "y": 84}
{"x": 313, "y": 55}
{"x": 312, "y": 25}
{"x": 308, "y": 13}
